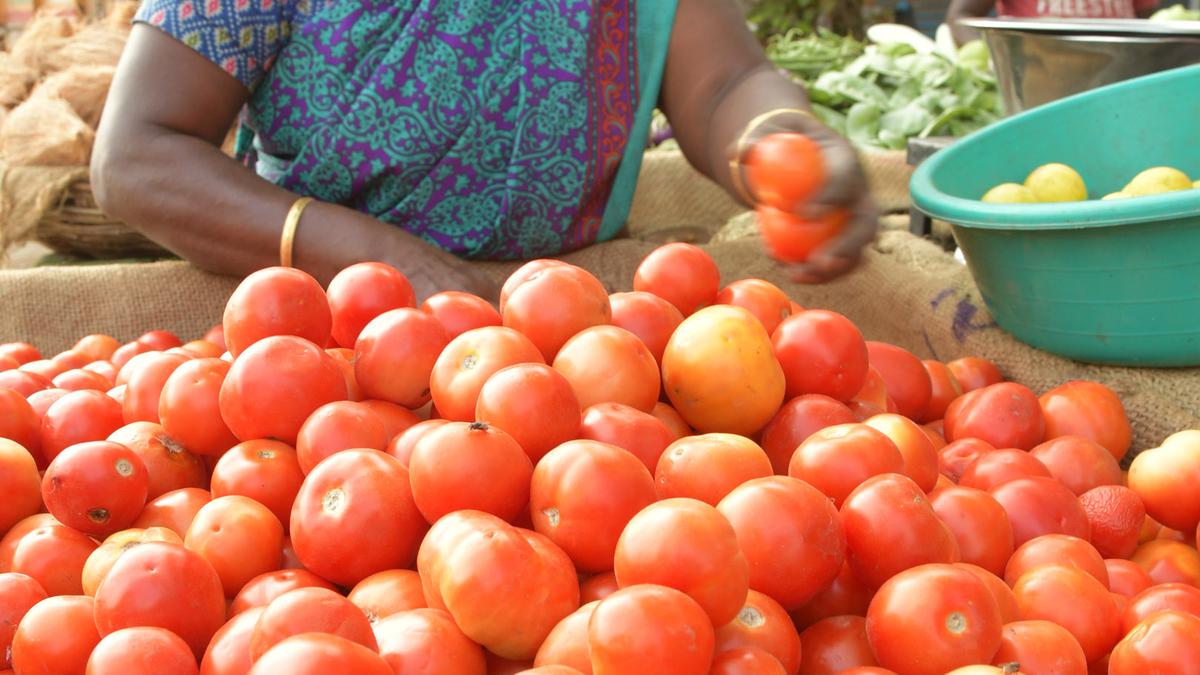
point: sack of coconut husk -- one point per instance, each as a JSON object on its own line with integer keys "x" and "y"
{"x": 41, "y": 39}
{"x": 45, "y": 132}
{"x": 85, "y": 88}
{"x": 96, "y": 45}
{"x": 15, "y": 80}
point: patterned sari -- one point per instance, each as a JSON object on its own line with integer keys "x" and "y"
{"x": 495, "y": 129}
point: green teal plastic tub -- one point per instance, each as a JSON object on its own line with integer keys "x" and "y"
{"x": 1114, "y": 282}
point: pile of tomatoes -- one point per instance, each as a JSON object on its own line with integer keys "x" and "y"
{"x": 679, "y": 480}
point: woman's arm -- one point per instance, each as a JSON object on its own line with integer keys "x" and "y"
{"x": 158, "y": 166}
{"x": 717, "y": 80}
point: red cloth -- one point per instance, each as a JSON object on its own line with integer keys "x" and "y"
{"x": 1079, "y": 9}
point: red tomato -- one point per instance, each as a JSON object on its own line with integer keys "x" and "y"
{"x": 650, "y": 629}
{"x": 907, "y": 382}
{"x": 275, "y": 385}
{"x": 239, "y": 537}
{"x": 790, "y": 238}
{"x": 401, "y": 447}
{"x": 671, "y": 417}
{"x": 469, "y": 466}
{"x": 954, "y": 458}
{"x": 1056, "y": 549}
{"x": 534, "y": 404}
{"x": 1166, "y": 477}
{"x": 555, "y": 303}
{"x": 18, "y": 593}
{"x": 834, "y": 645}
{"x": 264, "y": 588}
{"x": 97, "y": 488}
{"x": 386, "y": 593}
{"x": 80, "y": 380}
{"x": 396, "y": 419}
{"x": 276, "y": 301}
{"x": 1090, "y": 410}
{"x": 79, "y": 417}
{"x": 1174, "y": 597}
{"x": 583, "y": 495}
{"x": 203, "y": 349}
{"x": 1037, "y": 506}
{"x": 979, "y": 523}
{"x": 46, "y": 368}
{"x": 362, "y": 292}
{"x": 13, "y": 537}
{"x": 1041, "y": 647}
{"x": 785, "y": 170}
{"x": 821, "y": 352}
{"x": 229, "y": 651}
{"x": 567, "y": 644}
{"x": 395, "y": 355}
{"x": 746, "y": 661}
{"x": 21, "y": 352}
{"x": 355, "y": 516}
{"x": 428, "y": 641}
{"x": 945, "y": 389}
{"x": 126, "y": 352}
{"x": 468, "y": 361}
{"x": 266, "y": 471}
{"x": 460, "y": 312}
{"x": 20, "y": 424}
{"x": 682, "y": 274}
{"x": 762, "y": 624}
{"x": 974, "y": 373}
{"x": 790, "y": 536}
{"x": 890, "y": 527}
{"x": 1126, "y": 577}
{"x": 946, "y": 610}
{"x": 1168, "y": 561}
{"x": 836, "y": 460}
{"x": 1115, "y": 515}
{"x": 143, "y": 391}
{"x": 630, "y": 429}
{"x": 761, "y": 298}
{"x": 169, "y": 465}
{"x": 917, "y": 451}
{"x": 1073, "y": 599}
{"x": 56, "y": 636}
{"x": 24, "y": 383}
{"x": 310, "y": 610}
{"x": 647, "y": 316}
{"x": 160, "y": 340}
{"x": 996, "y": 468}
{"x": 174, "y": 510}
{"x": 19, "y": 483}
{"x": 189, "y": 409}
{"x": 607, "y": 364}
{"x": 1168, "y": 642}
{"x": 796, "y": 421}
{"x": 320, "y": 654}
{"x": 846, "y": 595}
{"x": 142, "y": 651}
{"x": 493, "y": 577}
{"x": 709, "y": 467}
{"x": 163, "y": 585}
{"x": 335, "y": 427}
{"x": 344, "y": 358}
{"x": 687, "y": 545}
{"x": 1006, "y": 415}
{"x": 598, "y": 587}
{"x": 1006, "y": 601}
{"x": 1079, "y": 463}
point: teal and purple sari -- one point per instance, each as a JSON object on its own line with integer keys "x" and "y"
{"x": 494, "y": 129}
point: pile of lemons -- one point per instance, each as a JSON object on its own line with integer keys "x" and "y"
{"x": 1061, "y": 183}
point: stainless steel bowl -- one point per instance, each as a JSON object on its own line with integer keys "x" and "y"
{"x": 1042, "y": 60}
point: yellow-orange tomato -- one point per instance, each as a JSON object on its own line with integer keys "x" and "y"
{"x": 1166, "y": 477}
{"x": 1169, "y": 561}
{"x": 720, "y": 372}
{"x": 101, "y": 560}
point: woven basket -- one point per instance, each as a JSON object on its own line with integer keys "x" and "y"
{"x": 79, "y": 228}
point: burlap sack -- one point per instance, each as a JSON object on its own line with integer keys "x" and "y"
{"x": 96, "y": 45}
{"x": 15, "y": 80}
{"x": 45, "y": 132}
{"x": 41, "y": 39}
{"x": 907, "y": 291}
{"x": 85, "y": 88}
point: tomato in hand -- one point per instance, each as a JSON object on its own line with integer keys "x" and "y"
{"x": 790, "y": 238}
{"x": 785, "y": 170}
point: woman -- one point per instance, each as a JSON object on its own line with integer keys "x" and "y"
{"x": 431, "y": 131}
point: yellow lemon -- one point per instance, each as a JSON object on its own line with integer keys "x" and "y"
{"x": 1056, "y": 183}
{"x": 1115, "y": 195}
{"x": 1010, "y": 193}
{"x": 1157, "y": 180}
{"x": 1196, "y": 185}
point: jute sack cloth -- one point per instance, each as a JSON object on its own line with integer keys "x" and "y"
{"x": 908, "y": 291}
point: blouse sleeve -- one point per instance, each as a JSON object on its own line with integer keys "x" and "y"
{"x": 241, "y": 36}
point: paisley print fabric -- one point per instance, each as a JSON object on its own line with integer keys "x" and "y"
{"x": 490, "y": 128}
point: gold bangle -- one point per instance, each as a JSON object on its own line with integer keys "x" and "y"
{"x": 739, "y": 148}
{"x": 289, "y": 230}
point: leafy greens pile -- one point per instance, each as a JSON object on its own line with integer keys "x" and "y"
{"x": 882, "y": 95}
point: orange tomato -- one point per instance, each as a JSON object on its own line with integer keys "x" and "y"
{"x": 1075, "y": 600}
{"x": 428, "y": 641}
{"x": 785, "y": 170}
{"x": 1090, "y": 410}
{"x": 709, "y": 466}
{"x": 650, "y": 629}
{"x": 647, "y": 316}
{"x": 174, "y": 510}
{"x": 310, "y": 610}
{"x": 836, "y": 460}
{"x": 1169, "y": 561}
{"x": 790, "y": 238}
{"x": 239, "y": 537}
{"x": 762, "y": 624}
{"x": 469, "y": 466}
{"x": 1165, "y": 478}
{"x": 567, "y": 644}
{"x": 388, "y": 592}
{"x": 607, "y": 364}
{"x": 266, "y": 471}
{"x": 102, "y": 559}
{"x": 534, "y": 404}
{"x": 555, "y": 303}
{"x": 468, "y": 361}
{"x": 763, "y": 299}
{"x": 682, "y": 274}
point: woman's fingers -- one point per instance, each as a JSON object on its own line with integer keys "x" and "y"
{"x": 843, "y": 253}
